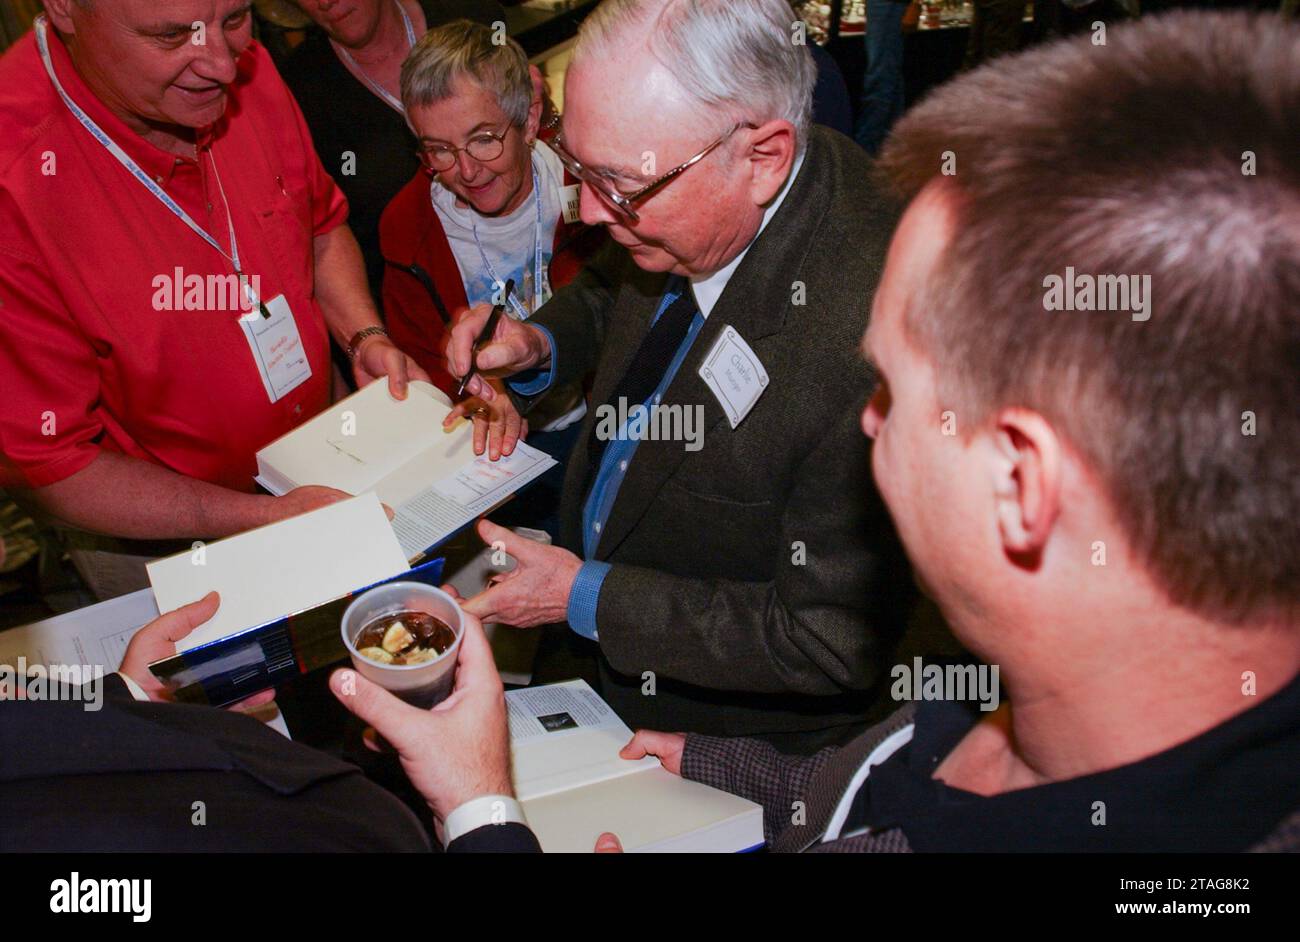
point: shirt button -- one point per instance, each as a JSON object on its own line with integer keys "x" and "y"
{"x": 622, "y": 465}
{"x": 657, "y": 398}
{"x": 297, "y": 410}
{"x": 596, "y": 526}
{"x": 157, "y": 179}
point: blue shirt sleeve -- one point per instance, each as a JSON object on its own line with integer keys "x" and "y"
{"x": 533, "y": 382}
{"x": 583, "y": 598}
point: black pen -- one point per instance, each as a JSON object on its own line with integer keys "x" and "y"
{"x": 485, "y": 335}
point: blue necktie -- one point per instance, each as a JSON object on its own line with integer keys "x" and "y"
{"x": 651, "y": 361}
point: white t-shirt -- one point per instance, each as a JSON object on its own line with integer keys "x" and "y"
{"x": 504, "y": 247}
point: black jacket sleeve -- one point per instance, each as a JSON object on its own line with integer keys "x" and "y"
{"x": 510, "y": 838}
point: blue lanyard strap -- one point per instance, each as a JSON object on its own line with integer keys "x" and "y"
{"x": 539, "y": 268}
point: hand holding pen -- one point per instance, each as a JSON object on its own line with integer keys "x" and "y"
{"x": 485, "y": 335}
{"x": 483, "y": 343}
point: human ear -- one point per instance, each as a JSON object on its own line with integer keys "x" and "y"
{"x": 770, "y": 152}
{"x": 534, "y": 122}
{"x": 1026, "y": 482}
{"x": 60, "y": 15}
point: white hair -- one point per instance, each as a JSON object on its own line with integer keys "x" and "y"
{"x": 461, "y": 49}
{"x": 740, "y": 56}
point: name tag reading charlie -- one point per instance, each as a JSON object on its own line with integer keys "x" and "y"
{"x": 277, "y": 348}
{"x": 735, "y": 375}
{"x": 569, "y": 197}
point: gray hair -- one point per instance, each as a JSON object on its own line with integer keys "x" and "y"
{"x": 737, "y": 55}
{"x": 462, "y": 49}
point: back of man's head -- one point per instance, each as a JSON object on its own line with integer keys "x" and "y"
{"x": 1126, "y": 263}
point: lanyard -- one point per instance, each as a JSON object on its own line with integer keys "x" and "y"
{"x": 539, "y": 270}
{"x": 144, "y": 179}
{"x": 374, "y": 86}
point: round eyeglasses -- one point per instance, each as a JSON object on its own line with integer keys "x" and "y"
{"x": 483, "y": 147}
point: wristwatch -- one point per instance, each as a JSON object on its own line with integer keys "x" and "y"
{"x": 355, "y": 343}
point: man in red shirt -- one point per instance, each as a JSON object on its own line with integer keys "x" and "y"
{"x": 173, "y": 261}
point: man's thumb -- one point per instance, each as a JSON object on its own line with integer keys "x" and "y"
{"x": 506, "y": 539}
{"x": 176, "y": 624}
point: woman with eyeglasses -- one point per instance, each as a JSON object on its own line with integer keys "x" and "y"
{"x": 345, "y": 76}
{"x": 487, "y": 207}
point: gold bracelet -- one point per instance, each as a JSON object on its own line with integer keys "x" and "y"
{"x": 355, "y": 343}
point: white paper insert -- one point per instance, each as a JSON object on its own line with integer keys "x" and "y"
{"x": 277, "y": 570}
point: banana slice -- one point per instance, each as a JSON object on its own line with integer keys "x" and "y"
{"x": 397, "y": 639}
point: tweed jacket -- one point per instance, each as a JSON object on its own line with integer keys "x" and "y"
{"x": 757, "y": 583}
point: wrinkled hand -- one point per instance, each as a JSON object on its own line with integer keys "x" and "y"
{"x": 157, "y": 640}
{"x": 536, "y": 592}
{"x": 666, "y": 747}
{"x": 455, "y": 752}
{"x": 497, "y": 424}
{"x": 378, "y": 356}
{"x": 515, "y": 346}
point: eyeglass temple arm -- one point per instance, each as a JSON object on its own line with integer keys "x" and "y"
{"x": 678, "y": 171}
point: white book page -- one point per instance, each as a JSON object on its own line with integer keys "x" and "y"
{"x": 358, "y": 442}
{"x": 563, "y": 736}
{"x": 653, "y": 811}
{"x": 441, "y": 454}
{"x": 277, "y": 570}
{"x": 429, "y": 476}
{"x": 96, "y": 635}
{"x": 435, "y": 497}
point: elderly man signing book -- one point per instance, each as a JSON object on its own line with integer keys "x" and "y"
{"x": 719, "y": 543}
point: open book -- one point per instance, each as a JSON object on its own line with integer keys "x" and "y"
{"x": 400, "y": 451}
{"x": 564, "y": 744}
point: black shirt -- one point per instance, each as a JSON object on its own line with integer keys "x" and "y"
{"x": 1221, "y": 791}
{"x": 344, "y": 116}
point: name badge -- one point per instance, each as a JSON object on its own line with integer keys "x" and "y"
{"x": 569, "y": 197}
{"x": 735, "y": 375}
{"x": 277, "y": 348}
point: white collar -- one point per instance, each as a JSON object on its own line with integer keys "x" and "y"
{"x": 708, "y": 290}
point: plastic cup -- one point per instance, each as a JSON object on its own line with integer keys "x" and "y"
{"x": 421, "y": 685}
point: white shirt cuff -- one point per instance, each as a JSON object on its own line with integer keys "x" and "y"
{"x": 136, "y": 690}
{"x": 475, "y": 813}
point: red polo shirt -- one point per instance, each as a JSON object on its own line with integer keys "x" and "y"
{"x": 87, "y": 360}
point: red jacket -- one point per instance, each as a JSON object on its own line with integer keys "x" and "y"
{"x": 422, "y": 289}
